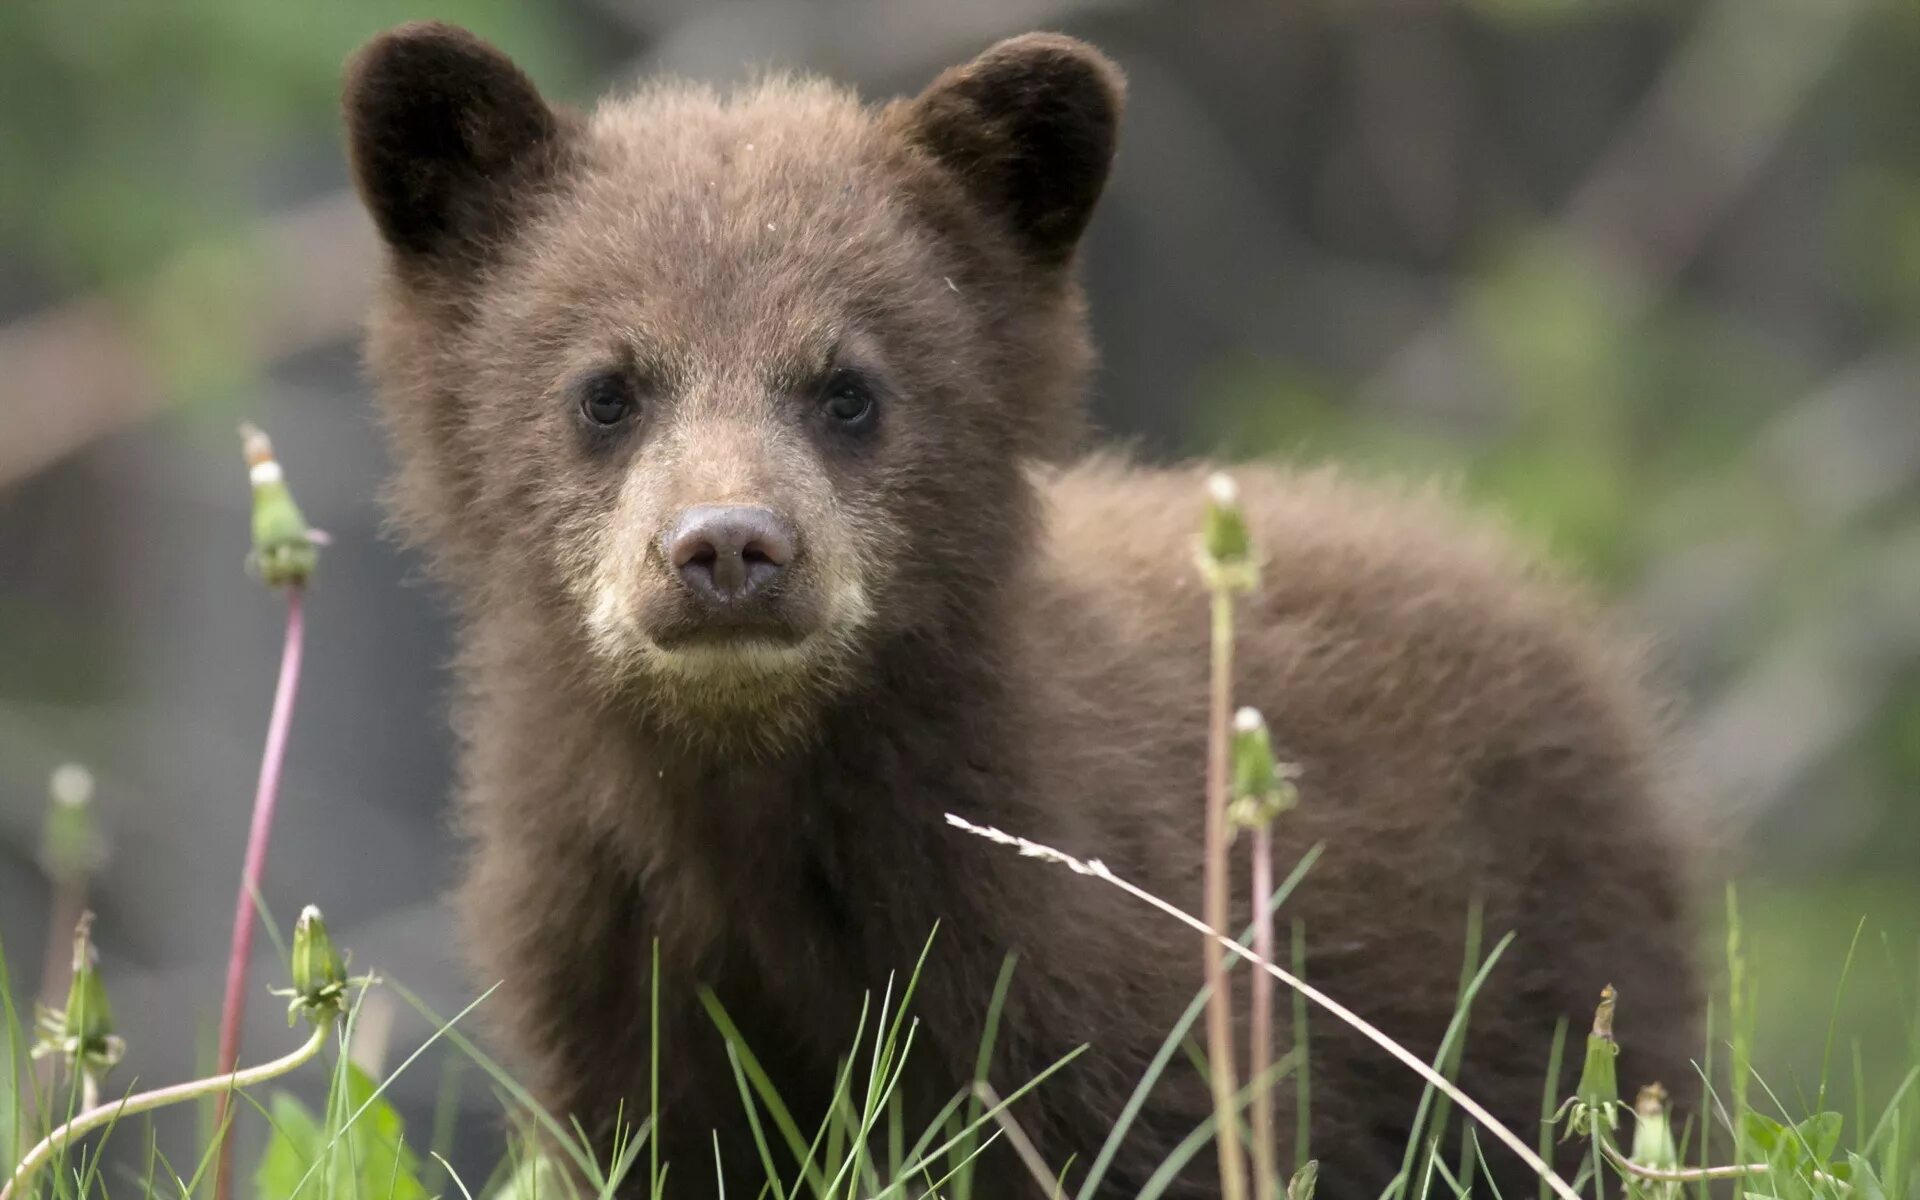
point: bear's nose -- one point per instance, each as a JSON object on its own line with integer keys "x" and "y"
{"x": 726, "y": 552}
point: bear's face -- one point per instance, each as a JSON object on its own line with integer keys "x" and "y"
{"x": 727, "y": 390}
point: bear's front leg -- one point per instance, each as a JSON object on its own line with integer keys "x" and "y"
{"x": 563, "y": 932}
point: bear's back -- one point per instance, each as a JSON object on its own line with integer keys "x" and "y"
{"x": 1383, "y": 616}
{"x": 1469, "y": 739}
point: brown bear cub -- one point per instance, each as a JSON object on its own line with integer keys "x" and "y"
{"x": 736, "y": 425}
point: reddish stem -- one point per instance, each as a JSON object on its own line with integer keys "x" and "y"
{"x": 1260, "y": 1036}
{"x": 265, "y": 798}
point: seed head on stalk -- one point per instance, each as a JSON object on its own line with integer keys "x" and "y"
{"x": 71, "y": 853}
{"x": 1261, "y": 788}
{"x": 285, "y": 551}
{"x": 283, "y": 556}
{"x": 1300, "y": 1187}
{"x": 1594, "y": 1108}
{"x": 1226, "y": 555}
{"x": 1259, "y": 791}
{"x": 320, "y": 983}
{"x": 1653, "y": 1144}
{"x": 81, "y": 1035}
{"x": 70, "y": 848}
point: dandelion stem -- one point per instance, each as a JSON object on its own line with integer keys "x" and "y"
{"x": 266, "y": 796}
{"x": 1233, "y": 1180}
{"x": 96, "y": 1116}
{"x": 1353, "y": 1020}
{"x": 1693, "y": 1174}
{"x": 1260, "y": 1037}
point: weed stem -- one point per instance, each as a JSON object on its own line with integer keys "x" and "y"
{"x": 93, "y": 1118}
{"x": 266, "y": 796}
{"x": 1696, "y": 1174}
{"x": 1407, "y": 1058}
{"x": 1260, "y": 1036}
{"x": 1233, "y": 1180}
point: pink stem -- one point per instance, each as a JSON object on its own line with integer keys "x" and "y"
{"x": 1261, "y": 1033}
{"x": 264, "y": 799}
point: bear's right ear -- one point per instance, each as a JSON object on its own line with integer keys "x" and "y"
{"x": 446, "y": 138}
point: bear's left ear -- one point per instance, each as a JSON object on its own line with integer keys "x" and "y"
{"x": 1028, "y": 128}
{"x": 448, "y": 139}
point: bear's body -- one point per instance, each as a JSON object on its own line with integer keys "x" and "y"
{"x": 852, "y": 335}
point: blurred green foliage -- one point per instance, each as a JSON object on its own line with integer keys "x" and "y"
{"x": 358, "y": 1150}
{"x": 1722, "y": 452}
{"x": 128, "y": 129}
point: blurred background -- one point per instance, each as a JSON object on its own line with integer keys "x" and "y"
{"x": 1643, "y": 276}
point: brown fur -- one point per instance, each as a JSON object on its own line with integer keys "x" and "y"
{"x": 1019, "y": 644}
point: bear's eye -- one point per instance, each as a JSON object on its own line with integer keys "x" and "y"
{"x": 848, "y": 399}
{"x": 606, "y": 399}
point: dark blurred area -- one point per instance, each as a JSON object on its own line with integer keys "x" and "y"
{"x": 1641, "y": 276}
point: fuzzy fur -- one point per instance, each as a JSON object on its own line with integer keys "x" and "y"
{"x": 1021, "y": 644}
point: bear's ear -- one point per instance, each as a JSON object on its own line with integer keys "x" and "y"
{"x": 1028, "y": 128}
{"x": 446, "y": 138}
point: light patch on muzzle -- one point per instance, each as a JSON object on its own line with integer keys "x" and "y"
{"x": 618, "y": 635}
{"x": 621, "y": 581}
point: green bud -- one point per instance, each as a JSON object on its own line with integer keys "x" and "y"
{"x": 1598, "y": 1084}
{"x": 82, "y": 1034}
{"x": 1653, "y": 1144}
{"x": 1300, "y": 1187}
{"x": 1226, "y": 547}
{"x": 538, "y": 1177}
{"x": 319, "y": 972}
{"x": 89, "y": 1019}
{"x": 1596, "y": 1101}
{"x": 1260, "y": 790}
{"x": 285, "y": 551}
{"x": 316, "y": 964}
{"x": 69, "y": 845}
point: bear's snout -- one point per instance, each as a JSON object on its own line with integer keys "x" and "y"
{"x": 725, "y": 554}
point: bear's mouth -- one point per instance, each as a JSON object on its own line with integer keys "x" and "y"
{"x": 756, "y": 656}
{"x": 745, "y": 635}
{"x": 775, "y": 623}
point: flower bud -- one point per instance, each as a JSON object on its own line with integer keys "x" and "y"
{"x": 89, "y": 1019}
{"x": 69, "y": 845}
{"x": 319, "y": 972}
{"x": 1597, "y": 1098}
{"x": 285, "y": 551}
{"x": 1653, "y": 1144}
{"x": 82, "y": 1033}
{"x": 1260, "y": 790}
{"x": 1226, "y": 547}
{"x": 1300, "y": 1187}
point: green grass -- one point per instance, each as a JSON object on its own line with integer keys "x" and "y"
{"x": 1848, "y": 1129}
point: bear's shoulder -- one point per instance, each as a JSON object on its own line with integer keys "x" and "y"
{"x": 1388, "y": 583}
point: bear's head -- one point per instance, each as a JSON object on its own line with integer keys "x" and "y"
{"x": 726, "y": 392}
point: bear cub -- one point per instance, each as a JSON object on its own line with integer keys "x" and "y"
{"x": 742, "y": 430}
